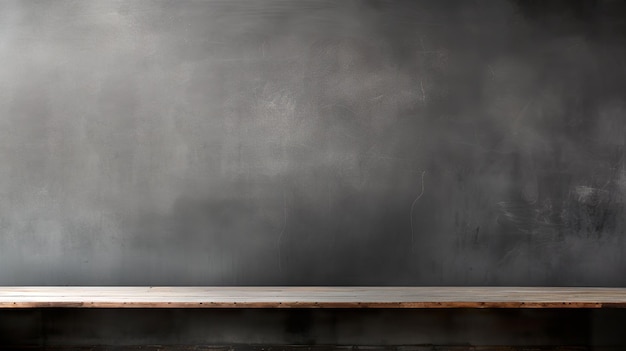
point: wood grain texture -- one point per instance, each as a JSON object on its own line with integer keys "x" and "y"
{"x": 311, "y": 297}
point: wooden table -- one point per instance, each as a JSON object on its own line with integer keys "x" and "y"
{"x": 310, "y": 297}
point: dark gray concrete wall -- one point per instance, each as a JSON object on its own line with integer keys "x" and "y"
{"x": 312, "y": 142}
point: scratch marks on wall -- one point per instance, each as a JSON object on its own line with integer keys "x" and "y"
{"x": 279, "y": 244}
{"x": 419, "y": 196}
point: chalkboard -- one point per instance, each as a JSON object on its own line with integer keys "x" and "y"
{"x": 311, "y": 142}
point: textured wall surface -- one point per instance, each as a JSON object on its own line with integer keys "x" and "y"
{"x": 312, "y": 142}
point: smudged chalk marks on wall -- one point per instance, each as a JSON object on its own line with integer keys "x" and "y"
{"x": 285, "y": 142}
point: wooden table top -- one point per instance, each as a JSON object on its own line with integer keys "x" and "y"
{"x": 310, "y": 297}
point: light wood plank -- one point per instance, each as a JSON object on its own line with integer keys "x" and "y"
{"x": 311, "y": 297}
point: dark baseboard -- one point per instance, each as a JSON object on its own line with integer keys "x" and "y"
{"x": 310, "y": 348}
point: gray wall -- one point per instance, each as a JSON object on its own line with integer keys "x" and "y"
{"x": 312, "y": 142}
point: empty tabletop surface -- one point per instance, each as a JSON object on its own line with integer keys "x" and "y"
{"x": 310, "y": 297}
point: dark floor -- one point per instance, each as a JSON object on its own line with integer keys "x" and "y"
{"x": 322, "y": 329}
{"x": 318, "y": 348}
